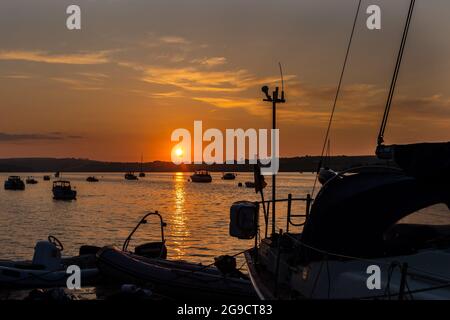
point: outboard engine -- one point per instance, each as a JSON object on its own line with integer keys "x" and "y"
{"x": 47, "y": 255}
{"x": 326, "y": 174}
{"x": 244, "y": 219}
{"x": 227, "y": 266}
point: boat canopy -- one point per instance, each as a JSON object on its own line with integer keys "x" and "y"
{"x": 354, "y": 210}
{"x": 424, "y": 159}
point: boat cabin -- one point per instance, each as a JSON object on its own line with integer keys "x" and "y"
{"x": 201, "y": 173}
{"x": 62, "y": 184}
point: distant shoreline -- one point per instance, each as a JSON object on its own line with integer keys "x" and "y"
{"x": 295, "y": 164}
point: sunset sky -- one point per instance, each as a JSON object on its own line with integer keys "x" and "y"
{"x": 140, "y": 69}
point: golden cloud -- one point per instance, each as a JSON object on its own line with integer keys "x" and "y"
{"x": 192, "y": 79}
{"x": 211, "y": 62}
{"x": 45, "y": 57}
{"x": 77, "y": 84}
{"x": 174, "y": 40}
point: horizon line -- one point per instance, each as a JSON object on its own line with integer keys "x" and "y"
{"x": 169, "y": 161}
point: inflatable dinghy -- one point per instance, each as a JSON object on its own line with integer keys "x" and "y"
{"x": 47, "y": 269}
{"x": 177, "y": 279}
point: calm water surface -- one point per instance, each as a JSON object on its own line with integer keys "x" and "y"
{"x": 197, "y": 215}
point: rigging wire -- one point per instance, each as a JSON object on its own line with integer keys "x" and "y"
{"x": 396, "y": 72}
{"x": 337, "y": 94}
{"x": 282, "y": 78}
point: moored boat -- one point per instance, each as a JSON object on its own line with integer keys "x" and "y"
{"x": 201, "y": 176}
{"x": 177, "y": 279}
{"x": 14, "y": 183}
{"x": 354, "y": 241}
{"x": 49, "y": 269}
{"x": 355, "y": 224}
{"x": 31, "y": 180}
{"x": 46, "y": 178}
{"x": 148, "y": 266}
{"x": 229, "y": 176}
{"x": 142, "y": 173}
{"x": 92, "y": 179}
{"x": 62, "y": 190}
{"x": 249, "y": 184}
{"x": 130, "y": 176}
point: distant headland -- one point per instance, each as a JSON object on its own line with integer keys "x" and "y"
{"x": 295, "y": 164}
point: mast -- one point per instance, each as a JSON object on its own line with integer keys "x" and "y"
{"x": 274, "y": 176}
{"x": 274, "y": 99}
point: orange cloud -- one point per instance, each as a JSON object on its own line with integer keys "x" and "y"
{"x": 78, "y": 84}
{"x": 174, "y": 40}
{"x": 192, "y": 79}
{"x": 45, "y": 57}
{"x": 211, "y": 62}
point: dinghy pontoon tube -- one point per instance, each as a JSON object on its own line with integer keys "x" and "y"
{"x": 177, "y": 279}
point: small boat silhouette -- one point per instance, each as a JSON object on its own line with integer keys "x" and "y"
{"x": 201, "y": 176}
{"x": 14, "y": 183}
{"x": 62, "y": 190}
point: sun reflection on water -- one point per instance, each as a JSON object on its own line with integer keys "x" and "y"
{"x": 179, "y": 226}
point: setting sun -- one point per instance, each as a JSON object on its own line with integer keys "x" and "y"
{"x": 179, "y": 152}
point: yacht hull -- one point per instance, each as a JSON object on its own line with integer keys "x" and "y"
{"x": 426, "y": 279}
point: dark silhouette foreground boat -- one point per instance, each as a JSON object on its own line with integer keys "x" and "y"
{"x": 354, "y": 228}
{"x": 352, "y": 225}
{"x": 47, "y": 268}
{"x": 176, "y": 279}
{"x": 146, "y": 266}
